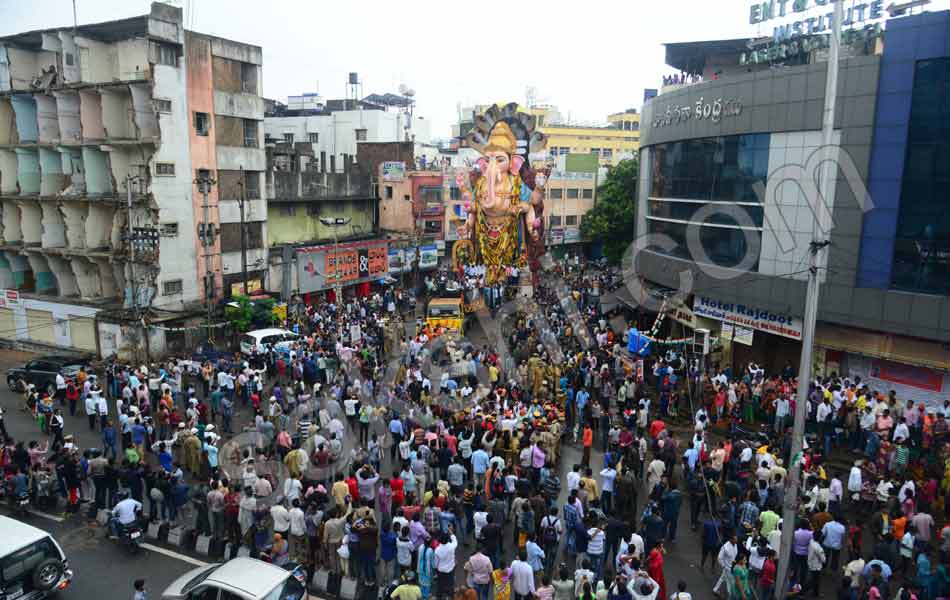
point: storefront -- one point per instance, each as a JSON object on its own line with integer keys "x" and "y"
{"x": 353, "y": 266}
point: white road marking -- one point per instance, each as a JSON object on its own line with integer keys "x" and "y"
{"x": 46, "y": 516}
{"x": 181, "y": 557}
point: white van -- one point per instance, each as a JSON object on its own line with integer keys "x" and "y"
{"x": 260, "y": 339}
{"x": 32, "y": 564}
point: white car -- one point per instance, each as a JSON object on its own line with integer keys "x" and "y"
{"x": 32, "y": 564}
{"x": 261, "y": 339}
{"x": 239, "y": 579}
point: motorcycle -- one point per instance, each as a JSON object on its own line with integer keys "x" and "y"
{"x": 131, "y": 536}
{"x": 21, "y": 505}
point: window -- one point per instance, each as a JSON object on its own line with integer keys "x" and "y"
{"x": 607, "y": 153}
{"x": 70, "y": 59}
{"x": 432, "y": 226}
{"x": 231, "y": 235}
{"x": 389, "y": 192}
{"x": 313, "y": 138}
{"x": 161, "y": 105}
{"x": 169, "y": 230}
{"x": 252, "y": 185}
{"x": 250, "y": 133}
{"x": 595, "y": 151}
{"x": 570, "y": 220}
{"x": 717, "y": 168}
{"x": 726, "y": 247}
{"x": 289, "y": 139}
{"x": 164, "y": 169}
{"x": 288, "y": 210}
{"x": 430, "y": 195}
{"x": 921, "y": 261}
{"x": 572, "y": 194}
{"x": 455, "y": 193}
{"x": 556, "y": 193}
{"x": 248, "y": 78}
{"x": 201, "y": 123}
{"x": 555, "y": 221}
{"x": 587, "y": 193}
{"x": 164, "y": 54}
{"x": 360, "y": 135}
{"x": 172, "y": 287}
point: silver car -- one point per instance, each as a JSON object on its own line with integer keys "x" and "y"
{"x": 239, "y": 579}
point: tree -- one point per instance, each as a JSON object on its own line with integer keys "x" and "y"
{"x": 613, "y": 219}
{"x": 251, "y": 313}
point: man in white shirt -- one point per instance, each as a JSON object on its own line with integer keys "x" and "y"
{"x": 726, "y": 558}
{"x": 281, "y": 517}
{"x": 522, "y": 577}
{"x": 782, "y": 408}
{"x": 444, "y": 563}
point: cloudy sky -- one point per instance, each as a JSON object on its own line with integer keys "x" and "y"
{"x": 589, "y": 58}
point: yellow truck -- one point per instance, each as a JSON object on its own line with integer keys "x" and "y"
{"x": 446, "y": 314}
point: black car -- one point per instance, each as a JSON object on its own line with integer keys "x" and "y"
{"x": 41, "y": 372}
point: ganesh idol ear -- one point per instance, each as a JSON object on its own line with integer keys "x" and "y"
{"x": 517, "y": 161}
{"x": 482, "y": 164}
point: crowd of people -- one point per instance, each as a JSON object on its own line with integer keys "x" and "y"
{"x": 545, "y": 462}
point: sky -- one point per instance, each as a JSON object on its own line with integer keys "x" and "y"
{"x": 588, "y": 58}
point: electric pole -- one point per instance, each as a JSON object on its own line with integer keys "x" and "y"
{"x": 818, "y": 250}
{"x": 137, "y": 314}
{"x": 206, "y": 235}
{"x": 241, "y": 202}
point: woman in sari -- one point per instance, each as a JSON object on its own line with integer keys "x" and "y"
{"x": 424, "y": 570}
{"x": 740, "y": 590}
{"x": 655, "y": 567}
{"x": 501, "y": 582}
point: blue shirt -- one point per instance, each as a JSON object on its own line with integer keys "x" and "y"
{"x": 535, "y": 556}
{"x": 138, "y": 434}
{"x": 691, "y": 455}
{"x": 165, "y": 459}
{"x": 212, "y": 451}
{"x": 582, "y": 397}
{"x": 387, "y": 545}
{"x": 395, "y": 426}
{"x": 480, "y": 461}
{"x": 833, "y": 533}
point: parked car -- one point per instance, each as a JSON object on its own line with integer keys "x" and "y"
{"x": 32, "y": 564}
{"x": 261, "y": 339}
{"x": 41, "y": 372}
{"x": 243, "y": 578}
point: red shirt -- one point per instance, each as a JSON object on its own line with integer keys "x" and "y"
{"x": 354, "y": 489}
{"x": 397, "y": 486}
{"x": 768, "y": 573}
{"x": 656, "y": 427}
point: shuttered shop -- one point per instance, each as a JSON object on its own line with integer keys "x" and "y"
{"x": 7, "y": 324}
{"x": 40, "y": 326}
{"x": 82, "y": 333}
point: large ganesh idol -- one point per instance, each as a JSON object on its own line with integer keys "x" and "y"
{"x": 505, "y": 224}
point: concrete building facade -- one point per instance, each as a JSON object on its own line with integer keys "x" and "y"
{"x": 98, "y": 149}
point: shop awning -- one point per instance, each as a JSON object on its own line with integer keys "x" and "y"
{"x": 896, "y": 348}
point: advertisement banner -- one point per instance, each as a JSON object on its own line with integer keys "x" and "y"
{"x": 397, "y": 262}
{"x": 919, "y": 377}
{"x": 428, "y": 257}
{"x": 9, "y": 299}
{"x": 355, "y": 262}
{"x": 253, "y": 285}
{"x": 572, "y": 235}
{"x": 737, "y": 334}
{"x": 748, "y": 316}
{"x": 394, "y": 171}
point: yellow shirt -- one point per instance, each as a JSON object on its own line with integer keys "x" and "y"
{"x": 407, "y": 592}
{"x": 340, "y": 491}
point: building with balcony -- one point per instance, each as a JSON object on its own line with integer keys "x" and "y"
{"x": 727, "y": 189}
{"x": 103, "y": 128}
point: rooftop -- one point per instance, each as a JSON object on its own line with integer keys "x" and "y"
{"x": 690, "y": 57}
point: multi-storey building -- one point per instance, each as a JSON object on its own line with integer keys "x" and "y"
{"x": 103, "y": 130}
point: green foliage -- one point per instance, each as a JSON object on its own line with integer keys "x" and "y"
{"x": 251, "y": 314}
{"x": 612, "y": 220}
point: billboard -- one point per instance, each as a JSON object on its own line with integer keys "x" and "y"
{"x": 394, "y": 170}
{"x": 581, "y": 163}
{"x": 428, "y": 257}
{"x": 750, "y": 317}
{"x": 397, "y": 260}
{"x": 322, "y": 267}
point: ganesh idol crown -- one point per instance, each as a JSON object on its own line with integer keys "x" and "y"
{"x": 504, "y": 195}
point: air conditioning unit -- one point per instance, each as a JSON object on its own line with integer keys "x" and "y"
{"x": 701, "y": 341}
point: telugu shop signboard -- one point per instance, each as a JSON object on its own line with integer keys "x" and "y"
{"x": 322, "y": 267}
{"x": 748, "y": 316}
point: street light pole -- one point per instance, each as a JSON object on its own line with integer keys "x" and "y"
{"x": 133, "y": 284}
{"x": 241, "y": 202}
{"x": 206, "y": 235}
{"x": 818, "y": 250}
